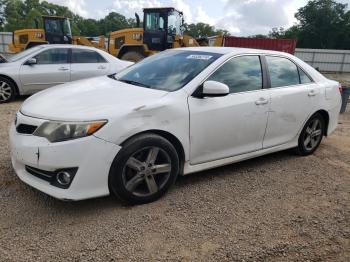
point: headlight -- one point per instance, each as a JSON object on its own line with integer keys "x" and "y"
{"x": 63, "y": 131}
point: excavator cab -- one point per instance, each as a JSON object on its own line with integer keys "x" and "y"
{"x": 57, "y": 30}
{"x": 161, "y": 26}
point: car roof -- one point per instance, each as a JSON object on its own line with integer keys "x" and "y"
{"x": 69, "y": 46}
{"x": 231, "y": 50}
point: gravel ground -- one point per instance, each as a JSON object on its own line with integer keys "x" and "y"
{"x": 279, "y": 207}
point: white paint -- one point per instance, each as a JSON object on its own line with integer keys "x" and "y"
{"x": 213, "y": 131}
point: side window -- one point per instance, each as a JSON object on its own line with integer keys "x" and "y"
{"x": 240, "y": 74}
{"x": 53, "y": 56}
{"x": 282, "y": 71}
{"x": 304, "y": 79}
{"x": 86, "y": 56}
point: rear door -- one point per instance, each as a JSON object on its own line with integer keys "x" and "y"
{"x": 294, "y": 96}
{"x": 52, "y": 68}
{"x": 87, "y": 63}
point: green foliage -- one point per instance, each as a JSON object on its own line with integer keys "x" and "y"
{"x": 200, "y": 30}
{"x": 19, "y": 14}
{"x": 321, "y": 24}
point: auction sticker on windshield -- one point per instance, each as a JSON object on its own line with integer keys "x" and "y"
{"x": 199, "y": 57}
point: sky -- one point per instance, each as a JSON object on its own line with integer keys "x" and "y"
{"x": 239, "y": 17}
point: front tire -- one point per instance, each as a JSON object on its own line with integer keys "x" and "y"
{"x": 311, "y": 136}
{"x": 144, "y": 169}
{"x": 7, "y": 90}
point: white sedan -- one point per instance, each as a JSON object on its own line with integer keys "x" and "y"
{"x": 45, "y": 66}
{"x": 174, "y": 113}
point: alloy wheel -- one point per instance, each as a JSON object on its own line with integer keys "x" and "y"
{"x": 5, "y": 91}
{"x": 147, "y": 171}
{"x": 313, "y": 134}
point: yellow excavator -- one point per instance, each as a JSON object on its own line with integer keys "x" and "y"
{"x": 162, "y": 29}
{"x": 56, "y": 30}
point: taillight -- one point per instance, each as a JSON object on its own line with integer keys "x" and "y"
{"x": 340, "y": 89}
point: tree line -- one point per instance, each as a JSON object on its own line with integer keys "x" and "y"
{"x": 320, "y": 23}
{"x": 19, "y": 14}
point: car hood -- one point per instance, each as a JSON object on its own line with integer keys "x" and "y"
{"x": 89, "y": 99}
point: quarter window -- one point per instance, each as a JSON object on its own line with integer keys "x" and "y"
{"x": 53, "y": 56}
{"x": 282, "y": 71}
{"x": 304, "y": 79}
{"x": 241, "y": 74}
{"x": 86, "y": 56}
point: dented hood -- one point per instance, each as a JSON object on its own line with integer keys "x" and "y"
{"x": 89, "y": 99}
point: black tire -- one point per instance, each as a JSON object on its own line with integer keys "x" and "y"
{"x": 121, "y": 175}
{"x": 304, "y": 148}
{"x": 7, "y": 90}
{"x": 133, "y": 56}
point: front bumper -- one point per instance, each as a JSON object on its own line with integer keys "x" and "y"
{"x": 91, "y": 155}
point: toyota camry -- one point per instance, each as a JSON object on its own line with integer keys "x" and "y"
{"x": 180, "y": 111}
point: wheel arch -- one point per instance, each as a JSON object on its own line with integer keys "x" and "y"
{"x": 325, "y": 116}
{"x": 168, "y": 136}
{"x": 13, "y": 81}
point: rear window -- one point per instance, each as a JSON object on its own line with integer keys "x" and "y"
{"x": 86, "y": 56}
{"x": 283, "y": 72}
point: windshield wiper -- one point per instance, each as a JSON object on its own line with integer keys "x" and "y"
{"x": 131, "y": 82}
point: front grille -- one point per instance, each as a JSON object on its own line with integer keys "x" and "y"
{"x": 42, "y": 174}
{"x": 26, "y": 129}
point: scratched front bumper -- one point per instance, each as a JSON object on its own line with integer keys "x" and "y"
{"x": 91, "y": 155}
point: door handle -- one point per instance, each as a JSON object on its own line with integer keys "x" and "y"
{"x": 261, "y": 101}
{"x": 101, "y": 67}
{"x": 312, "y": 93}
{"x": 63, "y": 69}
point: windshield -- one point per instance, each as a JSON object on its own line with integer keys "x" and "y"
{"x": 169, "y": 70}
{"x": 24, "y": 53}
{"x": 174, "y": 23}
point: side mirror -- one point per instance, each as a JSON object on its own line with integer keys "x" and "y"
{"x": 31, "y": 61}
{"x": 214, "y": 89}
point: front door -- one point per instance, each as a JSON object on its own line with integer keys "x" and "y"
{"x": 222, "y": 127}
{"x": 52, "y": 68}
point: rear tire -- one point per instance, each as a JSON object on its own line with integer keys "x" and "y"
{"x": 7, "y": 90}
{"x": 311, "y": 136}
{"x": 133, "y": 56}
{"x": 144, "y": 169}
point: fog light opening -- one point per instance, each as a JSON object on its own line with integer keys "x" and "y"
{"x": 63, "y": 178}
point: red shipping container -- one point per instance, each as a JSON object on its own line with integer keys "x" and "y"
{"x": 283, "y": 45}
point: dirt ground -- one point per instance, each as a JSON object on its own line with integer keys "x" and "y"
{"x": 279, "y": 207}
